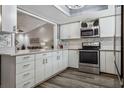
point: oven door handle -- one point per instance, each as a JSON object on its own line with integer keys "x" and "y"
{"x": 90, "y": 50}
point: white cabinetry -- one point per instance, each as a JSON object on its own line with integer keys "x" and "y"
{"x": 118, "y": 61}
{"x": 9, "y": 18}
{"x": 39, "y": 68}
{"x": 110, "y": 66}
{"x": 107, "y": 62}
{"x": 107, "y": 26}
{"x": 102, "y": 61}
{"x": 74, "y": 58}
{"x": 70, "y": 31}
{"x": 48, "y": 65}
{"x": 25, "y": 71}
{"x": 55, "y": 62}
{"x": 65, "y": 58}
{"x": 43, "y": 67}
{"x": 118, "y": 26}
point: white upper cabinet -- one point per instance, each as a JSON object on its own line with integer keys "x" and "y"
{"x": 118, "y": 9}
{"x": 70, "y": 31}
{"x": 107, "y": 26}
{"x": 118, "y": 26}
{"x": 9, "y": 18}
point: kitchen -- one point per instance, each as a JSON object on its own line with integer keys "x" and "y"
{"x": 37, "y": 46}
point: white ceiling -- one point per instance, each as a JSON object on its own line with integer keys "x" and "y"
{"x": 50, "y": 12}
{"x": 28, "y": 23}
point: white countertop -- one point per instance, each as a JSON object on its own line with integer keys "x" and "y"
{"x": 36, "y": 51}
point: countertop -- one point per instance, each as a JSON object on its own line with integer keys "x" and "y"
{"x": 29, "y": 52}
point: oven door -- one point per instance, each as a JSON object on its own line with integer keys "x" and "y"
{"x": 89, "y": 58}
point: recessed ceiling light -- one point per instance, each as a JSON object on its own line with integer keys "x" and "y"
{"x": 75, "y": 6}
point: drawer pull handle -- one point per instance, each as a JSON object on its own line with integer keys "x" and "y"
{"x": 26, "y": 74}
{"x": 26, "y": 57}
{"x": 26, "y": 84}
{"x": 26, "y": 65}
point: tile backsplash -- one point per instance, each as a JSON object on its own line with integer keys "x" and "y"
{"x": 107, "y": 43}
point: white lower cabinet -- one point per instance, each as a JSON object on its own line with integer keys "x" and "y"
{"x": 25, "y": 71}
{"x": 48, "y": 64}
{"x": 60, "y": 61}
{"x": 73, "y": 58}
{"x": 102, "y": 61}
{"x": 110, "y": 66}
{"x": 107, "y": 62}
{"x": 43, "y": 67}
{"x": 55, "y": 63}
{"x": 39, "y": 69}
{"x": 65, "y": 59}
{"x": 118, "y": 61}
{"x": 27, "y": 84}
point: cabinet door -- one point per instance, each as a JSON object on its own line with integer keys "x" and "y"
{"x": 64, "y": 32}
{"x": 102, "y": 61}
{"x": 65, "y": 58}
{"x": 118, "y": 26}
{"x": 118, "y": 9}
{"x": 9, "y": 18}
{"x": 70, "y": 31}
{"x": 73, "y": 58}
{"x": 60, "y": 61}
{"x": 74, "y": 30}
{"x": 118, "y": 61}
{"x": 107, "y": 26}
{"x": 39, "y": 70}
{"x": 110, "y": 66}
{"x": 48, "y": 67}
{"x": 55, "y": 63}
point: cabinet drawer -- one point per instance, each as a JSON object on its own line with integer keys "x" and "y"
{"x": 24, "y": 67}
{"x": 39, "y": 56}
{"x": 26, "y": 58}
{"x": 27, "y": 84}
{"x": 24, "y": 76}
{"x": 59, "y": 53}
{"x": 47, "y": 54}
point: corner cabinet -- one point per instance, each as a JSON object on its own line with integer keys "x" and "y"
{"x": 107, "y": 62}
{"x": 9, "y": 18}
{"x": 70, "y": 31}
{"x": 107, "y": 26}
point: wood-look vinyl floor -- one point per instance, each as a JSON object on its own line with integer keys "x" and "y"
{"x": 71, "y": 78}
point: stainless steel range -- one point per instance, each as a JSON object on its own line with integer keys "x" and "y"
{"x": 89, "y": 58}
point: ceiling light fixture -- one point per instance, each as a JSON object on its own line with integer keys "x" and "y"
{"x": 75, "y": 6}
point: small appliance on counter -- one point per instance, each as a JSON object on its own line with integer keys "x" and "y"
{"x": 89, "y": 59}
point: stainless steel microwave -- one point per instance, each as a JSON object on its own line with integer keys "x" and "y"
{"x": 90, "y": 32}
